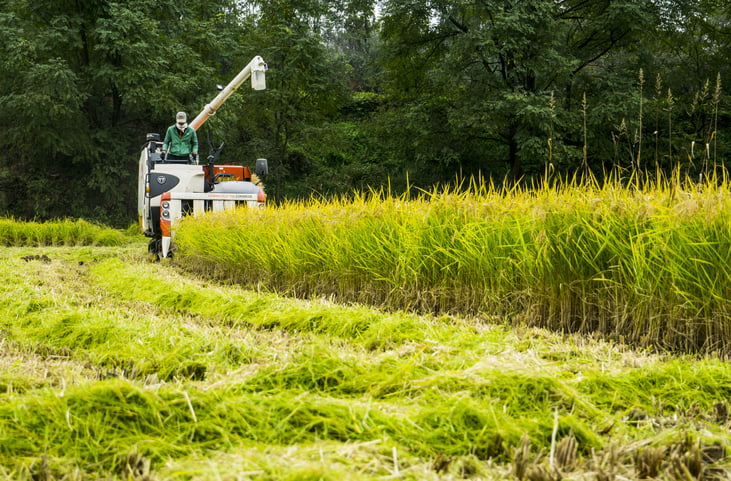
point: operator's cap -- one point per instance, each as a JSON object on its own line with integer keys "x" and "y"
{"x": 181, "y": 117}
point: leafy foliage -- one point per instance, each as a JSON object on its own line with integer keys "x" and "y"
{"x": 81, "y": 83}
{"x": 360, "y": 93}
{"x": 491, "y": 69}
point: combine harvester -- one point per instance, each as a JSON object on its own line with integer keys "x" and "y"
{"x": 171, "y": 189}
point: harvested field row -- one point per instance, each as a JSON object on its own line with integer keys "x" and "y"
{"x": 120, "y": 368}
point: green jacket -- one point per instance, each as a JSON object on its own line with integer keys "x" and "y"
{"x": 180, "y": 144}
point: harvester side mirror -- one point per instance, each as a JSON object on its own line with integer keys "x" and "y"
{"x": 262, "y": 167}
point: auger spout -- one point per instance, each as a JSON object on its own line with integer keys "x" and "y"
{"x": 255, "y": 69}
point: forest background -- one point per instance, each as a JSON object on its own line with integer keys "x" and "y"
{"x": 359, "y": 92}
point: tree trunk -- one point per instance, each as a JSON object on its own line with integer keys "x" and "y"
{"x": 516, "y": 165}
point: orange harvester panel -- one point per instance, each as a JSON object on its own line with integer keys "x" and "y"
{"x": 239, "y": 172}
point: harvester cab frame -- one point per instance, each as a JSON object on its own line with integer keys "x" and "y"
{"x": 169, "y": 189}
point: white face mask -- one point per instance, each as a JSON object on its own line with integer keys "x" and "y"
{"x": 182, "y": 126}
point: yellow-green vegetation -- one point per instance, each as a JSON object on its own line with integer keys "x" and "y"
{"x": 113, "y": 366}
{"x": 648, "y": 264}
{"x": 75, "y": 232}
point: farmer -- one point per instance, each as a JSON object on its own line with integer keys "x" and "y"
{"x": 180, "y": 140}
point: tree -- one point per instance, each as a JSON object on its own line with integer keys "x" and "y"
{"x": 690, "y": 63}
{"x": 306, "y": 86}
{"x": 81, "y": 82}
{"x": 351, "y": 33}
{"x": 484, "y": 71}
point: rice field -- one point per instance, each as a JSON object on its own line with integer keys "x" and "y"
{"x": 115, "y": 366}
{"x": 648, "y": 265}
{"x": 59, "y": 232}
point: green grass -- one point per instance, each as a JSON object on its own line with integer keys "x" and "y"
{"x": 116, "y": 367}
{"x": 648, "y": 265}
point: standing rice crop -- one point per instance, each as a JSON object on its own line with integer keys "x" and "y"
{"x": 54, "y": 233}
{"x": 647, "y": 264}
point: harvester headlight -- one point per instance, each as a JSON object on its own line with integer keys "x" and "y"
{"x": 166, "y": 205}
{"x": 165, "y": 214}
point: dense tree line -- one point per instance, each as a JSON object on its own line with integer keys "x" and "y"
{"x": 360, "y": 93}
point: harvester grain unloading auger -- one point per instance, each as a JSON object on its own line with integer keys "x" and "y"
{"x": 170, "y": 189}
